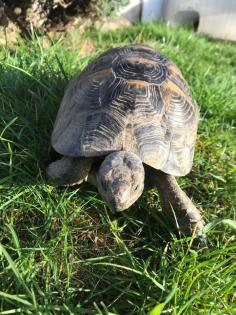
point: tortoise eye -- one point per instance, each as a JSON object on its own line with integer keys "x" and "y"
{"x": 128, "y": 162}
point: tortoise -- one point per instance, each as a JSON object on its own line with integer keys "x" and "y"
{"x": 126, "y": 123}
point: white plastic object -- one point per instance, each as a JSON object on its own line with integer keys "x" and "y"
{"x": 132, "y": 11}
{"x": 152, "y": 10}
{"x": 215, "y": 17}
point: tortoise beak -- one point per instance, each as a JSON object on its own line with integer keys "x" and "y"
{"x": 121, "y": 197}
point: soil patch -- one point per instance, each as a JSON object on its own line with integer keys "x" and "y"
{"x": 43, "y": 15}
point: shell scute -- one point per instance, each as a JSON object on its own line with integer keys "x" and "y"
{"x": 140, "y": 69}
{"x": 100, "y": 137}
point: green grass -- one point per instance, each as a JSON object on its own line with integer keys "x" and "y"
{"x": 62, "y": 251}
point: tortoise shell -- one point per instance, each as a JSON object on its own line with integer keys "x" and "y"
{"x": 130, "y": 98}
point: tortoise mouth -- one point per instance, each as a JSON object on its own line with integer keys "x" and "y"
{"x": 116, "y": 205}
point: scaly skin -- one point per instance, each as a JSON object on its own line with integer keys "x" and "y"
{"x": 119, "y": 178}
{"x": 68, "y": 171}
{"x": 177, "y": 205}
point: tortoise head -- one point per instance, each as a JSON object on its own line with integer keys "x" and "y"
{"x": 121, "y": 179}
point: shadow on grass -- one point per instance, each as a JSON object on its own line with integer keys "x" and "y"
{"x": 28, "y": 109}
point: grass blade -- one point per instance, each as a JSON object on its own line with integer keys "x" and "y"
{"x": 16, "y": 298}
{"x": 15, "y": 271}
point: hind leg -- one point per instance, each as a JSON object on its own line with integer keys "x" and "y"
{"x": 68, "y": 171}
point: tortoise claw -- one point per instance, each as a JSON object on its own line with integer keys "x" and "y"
{"x": 200, "y": 242}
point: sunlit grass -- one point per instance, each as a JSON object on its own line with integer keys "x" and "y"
{"x": 62, "y": 251}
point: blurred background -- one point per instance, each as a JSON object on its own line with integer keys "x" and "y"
{"x": 216, "y": 18}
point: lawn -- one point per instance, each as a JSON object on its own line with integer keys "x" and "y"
{"x": 61, "y": 250}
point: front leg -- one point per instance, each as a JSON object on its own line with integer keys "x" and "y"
{"x": 176, "y": 204}
{"x": 68, "y": 171}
